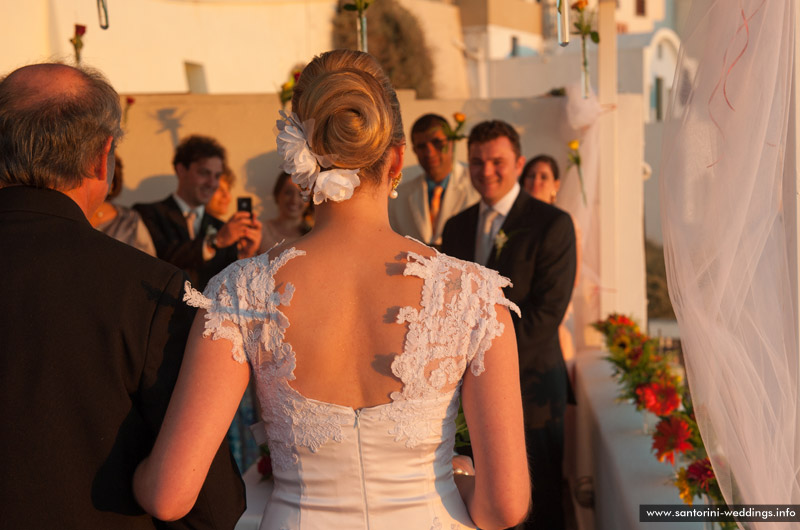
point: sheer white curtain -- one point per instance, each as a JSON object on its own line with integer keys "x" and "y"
{"x": 581, "y": 124}
{"x": 725, "y": 242}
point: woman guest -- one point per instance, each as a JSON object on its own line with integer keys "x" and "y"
{"x": 295, "y": 214}
{"x": 540, "y": 177}
{"x": 362, "y": 343}
{"x": 119, "y": 222}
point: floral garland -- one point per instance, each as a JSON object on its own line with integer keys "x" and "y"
{"x": 649, "y": 379}
{"x": 305, "y": 166}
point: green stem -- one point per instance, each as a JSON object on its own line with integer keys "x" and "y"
{"x": 361, "y": 27}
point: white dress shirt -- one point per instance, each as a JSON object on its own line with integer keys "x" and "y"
{"x": 502, "y": 207}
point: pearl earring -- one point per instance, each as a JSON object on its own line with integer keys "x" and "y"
{"x": 395, "y": 182}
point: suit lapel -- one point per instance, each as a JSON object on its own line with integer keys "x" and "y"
{"x": 470, "y": 232}
{"x": 175, "y": 216}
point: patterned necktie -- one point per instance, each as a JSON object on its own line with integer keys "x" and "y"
{"x": 436, "y": 205}
{"x": 485, "y": 238}
{"x": 190, "y": 219}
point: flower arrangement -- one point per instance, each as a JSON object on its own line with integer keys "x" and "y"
{"x": 77, "y": 41}
{"x": 287, "y": 89}
{"x": 574, "y": 159}
{"x": 650, "y": 380}
{"x": 583, "y": 27}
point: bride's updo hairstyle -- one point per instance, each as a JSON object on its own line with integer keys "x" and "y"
{"x": 355, "y": 111}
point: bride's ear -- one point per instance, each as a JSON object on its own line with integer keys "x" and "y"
{"x": 398, "y": 152}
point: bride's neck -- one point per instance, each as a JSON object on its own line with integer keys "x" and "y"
{"x": 367, "y": 211}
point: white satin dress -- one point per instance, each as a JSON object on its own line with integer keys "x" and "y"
{"x": 378, "y": 468}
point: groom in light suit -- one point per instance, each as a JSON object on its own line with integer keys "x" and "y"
{"x": 533, "y": 244}
{"x": 425, "y": 202}
{"x": 93, "y": 330}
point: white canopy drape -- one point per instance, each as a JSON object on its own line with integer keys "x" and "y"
{"x": 725, "y": 242}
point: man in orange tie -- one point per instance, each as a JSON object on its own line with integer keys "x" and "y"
{"x": 426, "y": 201}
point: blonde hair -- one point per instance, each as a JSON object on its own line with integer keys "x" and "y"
{"x": 355, "y": 111}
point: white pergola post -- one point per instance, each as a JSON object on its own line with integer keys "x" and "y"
{"x": 609, "y": 178}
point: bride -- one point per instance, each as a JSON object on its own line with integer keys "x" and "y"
{"x": 361, "y": 343}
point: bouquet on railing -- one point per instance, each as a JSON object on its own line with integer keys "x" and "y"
{"x": 651, "y": 380}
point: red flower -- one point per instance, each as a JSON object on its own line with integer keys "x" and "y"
{"x": 621, "y": 320}
{"x": 265, "y": 466}
{"x": 660, "y": 399}
{"x": 130, "y": 100}
{"x": 671, "y": 436}
{"x": 701, "y": 472}
{"x": 296, "y": 75}
{"x": 80, "y": 30}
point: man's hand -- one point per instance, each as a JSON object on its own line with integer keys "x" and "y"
{"x": 248, "y": 246}
{"x": 241, "y": 229}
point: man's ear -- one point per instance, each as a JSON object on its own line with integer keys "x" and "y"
{"x": 102, "y": 170}
{"x": 520, "y": 166}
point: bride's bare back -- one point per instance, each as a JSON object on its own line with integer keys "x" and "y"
{"x": 343, "y": 314}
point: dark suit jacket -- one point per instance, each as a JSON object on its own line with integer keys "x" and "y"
{"x": 539, "y": 258}
{"x": 167, "y": 227}
{"x": 93, "y": 333}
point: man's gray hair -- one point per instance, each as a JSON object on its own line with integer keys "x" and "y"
{"x": 53, "y": 140}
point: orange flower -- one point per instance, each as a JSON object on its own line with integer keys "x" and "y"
{"x": 685, "y": 491}
{"x": 580, "y": 5}
{"x": 660, "y": 399}
{"x": 459, "y": 117}
{"x": 671, "y": 436}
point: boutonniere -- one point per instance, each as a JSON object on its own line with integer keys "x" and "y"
{"x": 501, "y": 240}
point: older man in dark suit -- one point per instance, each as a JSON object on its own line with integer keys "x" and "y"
{"x": 533, "y": 244}
{"x": 183, "y": 232}
{"x": 93, "y": 330}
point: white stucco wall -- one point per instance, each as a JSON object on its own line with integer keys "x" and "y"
{"x": 243, "y": 46}
{"x": 660, "y": 59}
{"x": 441, "y": 24}
{"x": 529, "y": 76}
{"x": 626, "y": 15}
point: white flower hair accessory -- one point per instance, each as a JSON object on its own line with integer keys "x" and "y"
{"x": 305, "y": 166}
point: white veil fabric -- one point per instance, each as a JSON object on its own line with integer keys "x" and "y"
{"x": 726, "y": 247}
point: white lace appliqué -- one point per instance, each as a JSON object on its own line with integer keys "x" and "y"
{"x": 452, "y": 329}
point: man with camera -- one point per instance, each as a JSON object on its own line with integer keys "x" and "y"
{"x": 183, "y": 233}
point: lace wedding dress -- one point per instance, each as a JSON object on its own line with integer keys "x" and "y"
{"x": 382, "y": 467}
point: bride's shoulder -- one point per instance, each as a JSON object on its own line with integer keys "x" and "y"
{"x": 260, "y": 265}
{"x": 435, "y": 262}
